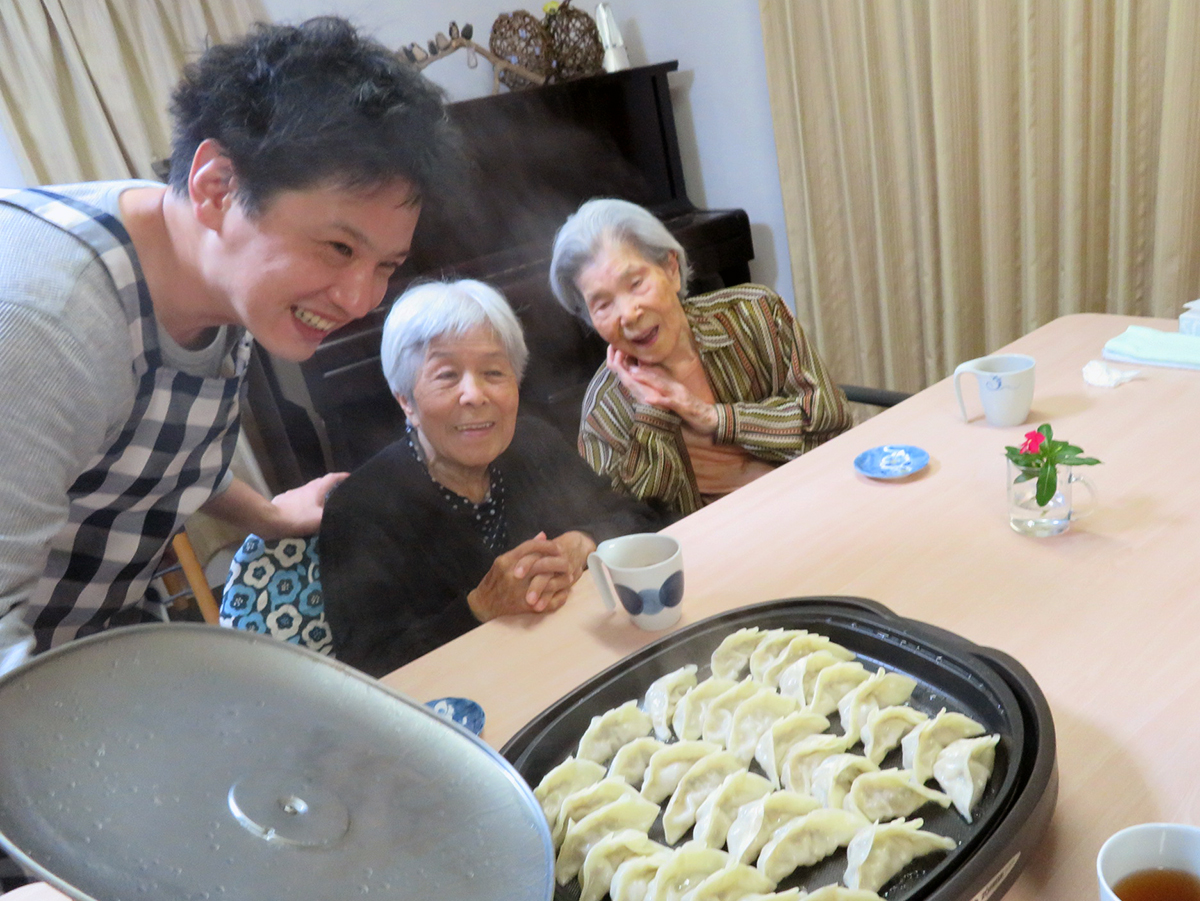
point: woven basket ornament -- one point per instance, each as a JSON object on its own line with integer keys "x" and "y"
{"x": 574, "y": 42}
{"x": 522, "y": 40}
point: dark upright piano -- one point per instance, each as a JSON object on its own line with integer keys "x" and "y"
{"x": 534, "y": 157}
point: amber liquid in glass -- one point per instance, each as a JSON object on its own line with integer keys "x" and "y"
{"x": 1159, "y": 885}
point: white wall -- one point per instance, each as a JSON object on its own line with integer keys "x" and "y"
{"x": 722, "y": 111}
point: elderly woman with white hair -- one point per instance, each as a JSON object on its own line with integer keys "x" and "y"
{"x": 699, "y": 395}
{"x": 474, "y": 513}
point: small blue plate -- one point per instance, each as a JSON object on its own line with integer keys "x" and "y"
{"x": 464, "y": 711}
{"x": 891, "y": 461}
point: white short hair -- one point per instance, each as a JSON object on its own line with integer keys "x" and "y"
{"x": 439, "y": 309}
{"x": 607, "y": 219}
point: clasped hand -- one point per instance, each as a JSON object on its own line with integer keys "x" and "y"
{"x": 654, "y": 386}
{"x": 534, "y": 577}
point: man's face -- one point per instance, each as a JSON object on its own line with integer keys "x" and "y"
{"x": 311, "y": 261}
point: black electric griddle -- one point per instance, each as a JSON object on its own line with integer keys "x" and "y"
{"x": 985, "y": 684}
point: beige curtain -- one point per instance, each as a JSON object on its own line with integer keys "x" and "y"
{"x": 85, "y": 84}
{"x": 957, "y": 172}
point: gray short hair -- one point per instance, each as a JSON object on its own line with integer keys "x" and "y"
{"x": 439, "y": 309}
{"x": 605, "y": 219}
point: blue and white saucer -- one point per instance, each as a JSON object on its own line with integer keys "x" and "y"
{"x": 891, "y": 461}
{"x": 464, "y": 711}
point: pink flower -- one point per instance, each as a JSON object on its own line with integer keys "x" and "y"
{"x": 1033, "y": 442}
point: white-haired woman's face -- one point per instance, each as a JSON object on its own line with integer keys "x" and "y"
{"x": 464, "y": 403}
{"x": 634, "y": 303}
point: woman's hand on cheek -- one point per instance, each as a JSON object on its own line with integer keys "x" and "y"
{"x": 653, "y": 386}
{"x": 635, "y": 378}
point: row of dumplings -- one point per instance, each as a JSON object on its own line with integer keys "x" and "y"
{"x": 705, "y": 736}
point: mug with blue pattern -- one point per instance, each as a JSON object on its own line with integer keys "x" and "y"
{"x": 644, "y": 574}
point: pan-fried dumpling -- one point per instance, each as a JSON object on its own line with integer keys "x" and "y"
{"x": 773, "y": 644}
{"x": 732, "y": 655}
{"x": 804, "y": 757}
{"x": 633, "y": 877}
{"x": 832, "y": 778}
{"x": 963, "y": 769}
{"x": 663, "y": 695}
{"x": 752, "y": 718}
{"x": 608, "y": 854}
{"x": 806, "y": 840}
{"x": 774, "y": 744}
{"x": 885, "y": 727}
{"x": 697, "y": 784}
{"x": 610, "y": 730}
{"x": 668, "y": 765}
{"x": 887, "y": 794}
{"x": 578, "y": 805}
{"x": 832, "y": 683}
{"x": 839, "y": 893}
{"x": 716, "y": 814}
{"x": 922, "y": 745}
{"x": 688, "y": 719}
{"x": 757, "y": 821}
{"x": 719, "y": 716}
{"x": 631, "y": 760}
{"x": 883, "y": 689}
{"x": 733, "y": 882}
{"x": 791, "y": 894}
{"x": 797, "y": 680}
{"x": 630, "y": 812}
{"x": 687, "y": 867}
{"x": 567, "y": 778}
{"x": 882, "y": 850}
{"x": 799, "y": 647}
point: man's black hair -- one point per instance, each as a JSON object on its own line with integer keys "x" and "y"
{"x": 295, "y": 107}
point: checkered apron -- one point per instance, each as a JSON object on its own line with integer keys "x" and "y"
{"x": 136, "y": 493}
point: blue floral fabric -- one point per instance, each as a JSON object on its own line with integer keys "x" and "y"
{"x": 275, "y": 587}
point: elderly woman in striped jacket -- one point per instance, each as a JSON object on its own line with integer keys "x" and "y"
{"x": 699, "y": 395}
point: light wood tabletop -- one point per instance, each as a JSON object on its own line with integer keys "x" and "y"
{"x": 1105, "y": 617}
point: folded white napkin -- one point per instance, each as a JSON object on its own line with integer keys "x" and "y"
{"x": 1138, "y": 344}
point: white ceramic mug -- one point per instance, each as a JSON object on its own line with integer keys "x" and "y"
{"x": 1005, "y": 387}
{"x": 644, "y": 574}
{"x": 1147, "y": 846}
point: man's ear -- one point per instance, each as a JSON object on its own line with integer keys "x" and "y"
{"x": 212, "y": 184}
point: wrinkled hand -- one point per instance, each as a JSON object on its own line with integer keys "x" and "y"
{"x": 298, "y": 511}
{"x": 654, "y": 386}
{"x": 534, "y": 577}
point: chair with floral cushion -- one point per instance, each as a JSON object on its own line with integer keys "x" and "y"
{"x": 275, "y": 587}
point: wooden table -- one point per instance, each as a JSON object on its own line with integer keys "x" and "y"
{"x": 1105, "y": 617}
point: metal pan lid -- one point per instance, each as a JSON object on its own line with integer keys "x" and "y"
{"x": 183, "y": 761}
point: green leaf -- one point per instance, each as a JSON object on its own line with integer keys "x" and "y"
{"x": 1047, "y": 484}
{"x": 1045, "y": 429}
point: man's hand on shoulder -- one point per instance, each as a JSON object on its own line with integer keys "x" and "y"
{"x": 290, "y": 514}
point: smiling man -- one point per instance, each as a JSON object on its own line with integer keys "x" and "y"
{"x": 300, "y": 159}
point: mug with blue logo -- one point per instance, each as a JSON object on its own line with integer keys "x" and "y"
{"x": 644, "y": 574}
{"x": 1005, "y": 387}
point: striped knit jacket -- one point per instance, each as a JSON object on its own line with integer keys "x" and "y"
{"x": 774, "y": 398}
